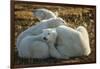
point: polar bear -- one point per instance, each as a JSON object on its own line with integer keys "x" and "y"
{"x": 69, "y": 42}
{"x": 37, "y": 46}
{"x": 50, "y": 38}
{"x": 33, "y": 47}
{"x": 44, "y": 14}
{"x": 37, "y": 29}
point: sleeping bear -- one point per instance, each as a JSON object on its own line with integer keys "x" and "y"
{"x": 69, "y": 42}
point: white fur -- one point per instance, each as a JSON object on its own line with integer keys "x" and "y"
{"x": 33, "y": 47}
{"x": 51, "y": 35}
{"x": 43, "y": 14}
{"x": 70, "y": 42}
{"x": 37, "y": 29}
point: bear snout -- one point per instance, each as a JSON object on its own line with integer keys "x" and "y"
{"x": 45, "y": 38}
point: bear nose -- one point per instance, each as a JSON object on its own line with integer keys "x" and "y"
{"x": 45, "y": 38}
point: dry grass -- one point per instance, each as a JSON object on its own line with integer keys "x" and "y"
{"x": 74, "y": 16}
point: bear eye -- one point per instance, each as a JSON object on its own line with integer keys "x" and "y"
{"x": 48, "y": 33}
{"x": 63, "y": 22}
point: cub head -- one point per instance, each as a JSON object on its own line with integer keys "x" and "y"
{"x": 49, "y": 35}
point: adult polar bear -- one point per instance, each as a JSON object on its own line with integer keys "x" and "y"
{"x": 30, "y": 37}
{"x": 70, "y": 42}
{"x": 24, "y": 39}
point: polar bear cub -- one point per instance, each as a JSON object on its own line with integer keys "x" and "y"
{"x": 33, "y": 47}
{"x": 50, "y": 39}
{"x": 69, "y": 42}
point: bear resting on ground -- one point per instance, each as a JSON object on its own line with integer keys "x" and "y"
{"x": 69, "y": 42}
